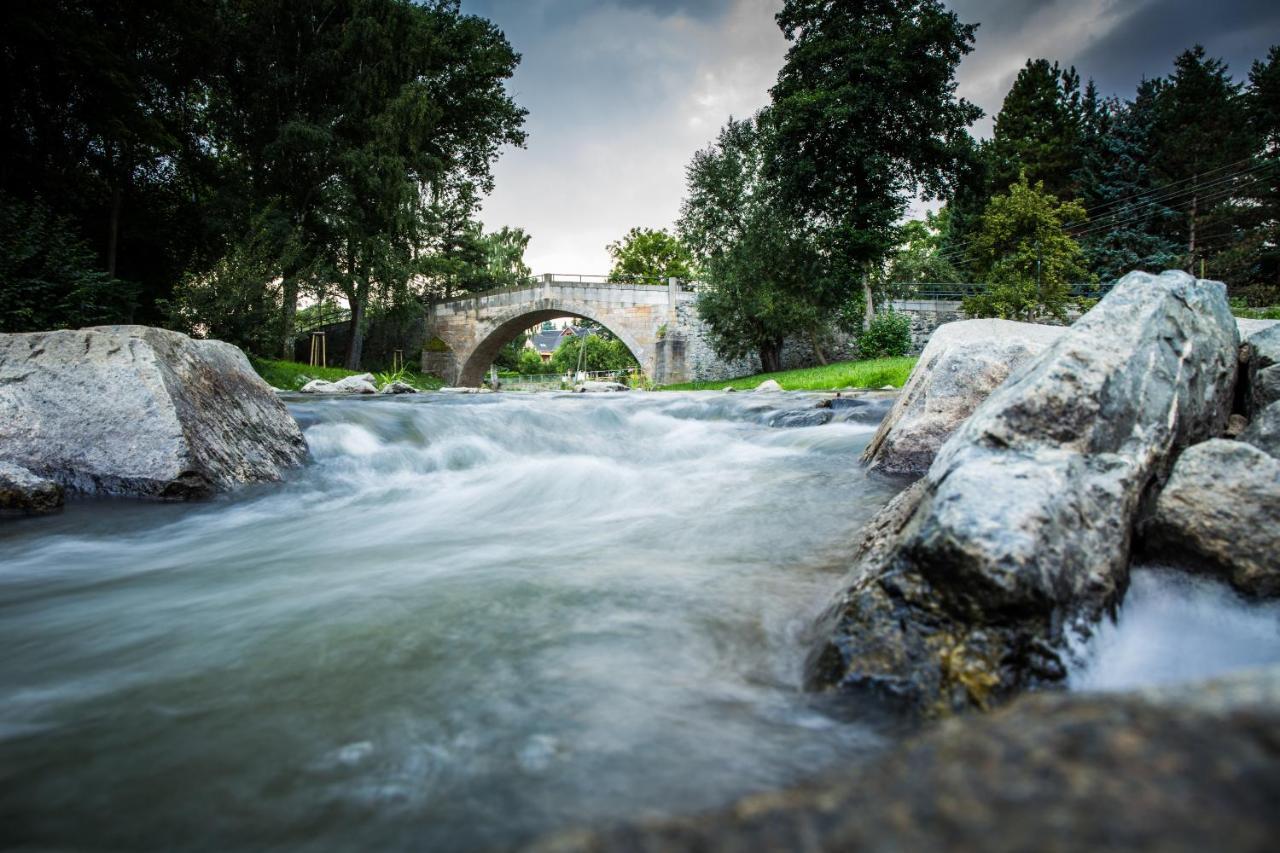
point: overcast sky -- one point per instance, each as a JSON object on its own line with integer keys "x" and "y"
{"x": 621, "y": 93}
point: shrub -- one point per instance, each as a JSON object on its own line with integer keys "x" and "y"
{"x": 888, "y": 336}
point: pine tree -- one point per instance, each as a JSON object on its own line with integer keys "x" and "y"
{"x": 1038, "y": 130}
{"x": 1131, "y": 222}
{"x": 1202, "y": 141}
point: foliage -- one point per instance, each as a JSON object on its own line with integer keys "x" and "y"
{"x": 1038, "y": 130}
{"x": 1241, "y": 308}
{"x": 597, "y": 354}
{"x": 291, "y": 375}
{"x": 919, "y": 256}
{"x": 1132, "y": 234}
{"x": 1026, "y": 256}
{"x": 388, "y": 377}
{"x": 530, "y": 363}
{"x": 864, "y": 117}
{"x": 760, "y": 267}
{"x": 888, "y": 336}
{"x": 875, "y": 373}
{"x": 47, "y": 275}
{"x": 1199, "y": 118}
{"x": 250, "y": 153}
{"x": 504, "y": 264}
{"x": 650, "y": 255}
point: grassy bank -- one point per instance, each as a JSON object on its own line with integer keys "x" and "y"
{"x": 292, "y": 375}
{"x": 874, "y": 373}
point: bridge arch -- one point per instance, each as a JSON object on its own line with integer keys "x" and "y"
{"x": 505, "y": 325}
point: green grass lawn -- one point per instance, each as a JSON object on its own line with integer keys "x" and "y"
{"x": 874, "y": 373}
{"x": 292, "y": 375}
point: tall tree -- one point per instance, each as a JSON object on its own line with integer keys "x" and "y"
{"x": 1039, "y": 130}
{"x": 759, "y": 265}
{"x": 1204, "y": 141}
{"x": 1131, "y": 217}
{"x": 865, "y": 117}
{"x": 101, "y": 115}
{"x": 1252, "y": 262}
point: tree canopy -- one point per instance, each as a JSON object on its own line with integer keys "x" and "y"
{"x": 649, "y": 255}
{"x": 216, "y": 161}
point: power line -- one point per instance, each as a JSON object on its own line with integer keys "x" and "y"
{"x": 1158, "y": 195}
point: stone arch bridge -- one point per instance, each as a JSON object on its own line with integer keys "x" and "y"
{"x": 463, "y": 335}
{"x": 659, "y": 324}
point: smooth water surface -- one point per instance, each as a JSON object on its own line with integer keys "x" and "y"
{"x": 473, "y": 619}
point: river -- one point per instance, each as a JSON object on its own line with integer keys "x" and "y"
{"x": 471, "y": 620}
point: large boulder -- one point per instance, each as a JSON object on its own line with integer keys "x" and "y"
{"x": 132, "y": 410}
{"x": 1220, "y": 512}
{"x": 1262, "y": 371}
{"x": 22, "y": 491}
{"x": 1023, "y": 525}
{"x": 1188, "y": 769}
{"x": 960, "y": 366}
{"x": 1264, "y": 431}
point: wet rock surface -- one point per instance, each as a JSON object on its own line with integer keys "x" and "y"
{"x": 1262, "y": 352}
{"x": 863, "y": 409}
{"x": 959, "y": 368}
{"x": 801, "y": 418}
{"x": 133, "y": 410}
{"x": 398, "y": 387}
{"x": 363, "y": 383}
{"x": 598, "y": 387}
{"x": 1188, "y": 769}
{"x": 1220, "y": 512}
{"x": 1022, "y": 527}
{"x": 22, "y": 491}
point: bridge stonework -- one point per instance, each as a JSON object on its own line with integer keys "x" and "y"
{"x": 658, "y": 323}
{"x": 464, "y": 335}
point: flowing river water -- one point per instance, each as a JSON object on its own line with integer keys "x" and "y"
{"x": 471, "y": 620}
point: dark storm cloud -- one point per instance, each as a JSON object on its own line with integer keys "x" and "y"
{"x": 1114, "y": 42}
{"x": 1145, "y": 43}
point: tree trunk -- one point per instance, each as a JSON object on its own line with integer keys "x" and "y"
{"x": 771, "y": 356}
{"x": 815, "y": 339}
{"x": 355, "y": 346}
{"x": 113, "y": 233}
{"x": 290, "y": 284}
{"x": 869, "y": 309}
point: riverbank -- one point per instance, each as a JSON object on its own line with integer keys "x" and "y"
{"x": 871, "y": 373}
{"x": 292, "y": 375}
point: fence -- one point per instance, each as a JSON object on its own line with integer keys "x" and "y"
{"x": 565, "y": 381}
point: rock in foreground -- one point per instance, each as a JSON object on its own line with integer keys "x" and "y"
{"x": 959, "y": 368}
{"x": 22, "y": 491}
{"x": 133, "y": 410}
{"x": 1187, "y": 771}
{"x": 1022, "y": 526}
